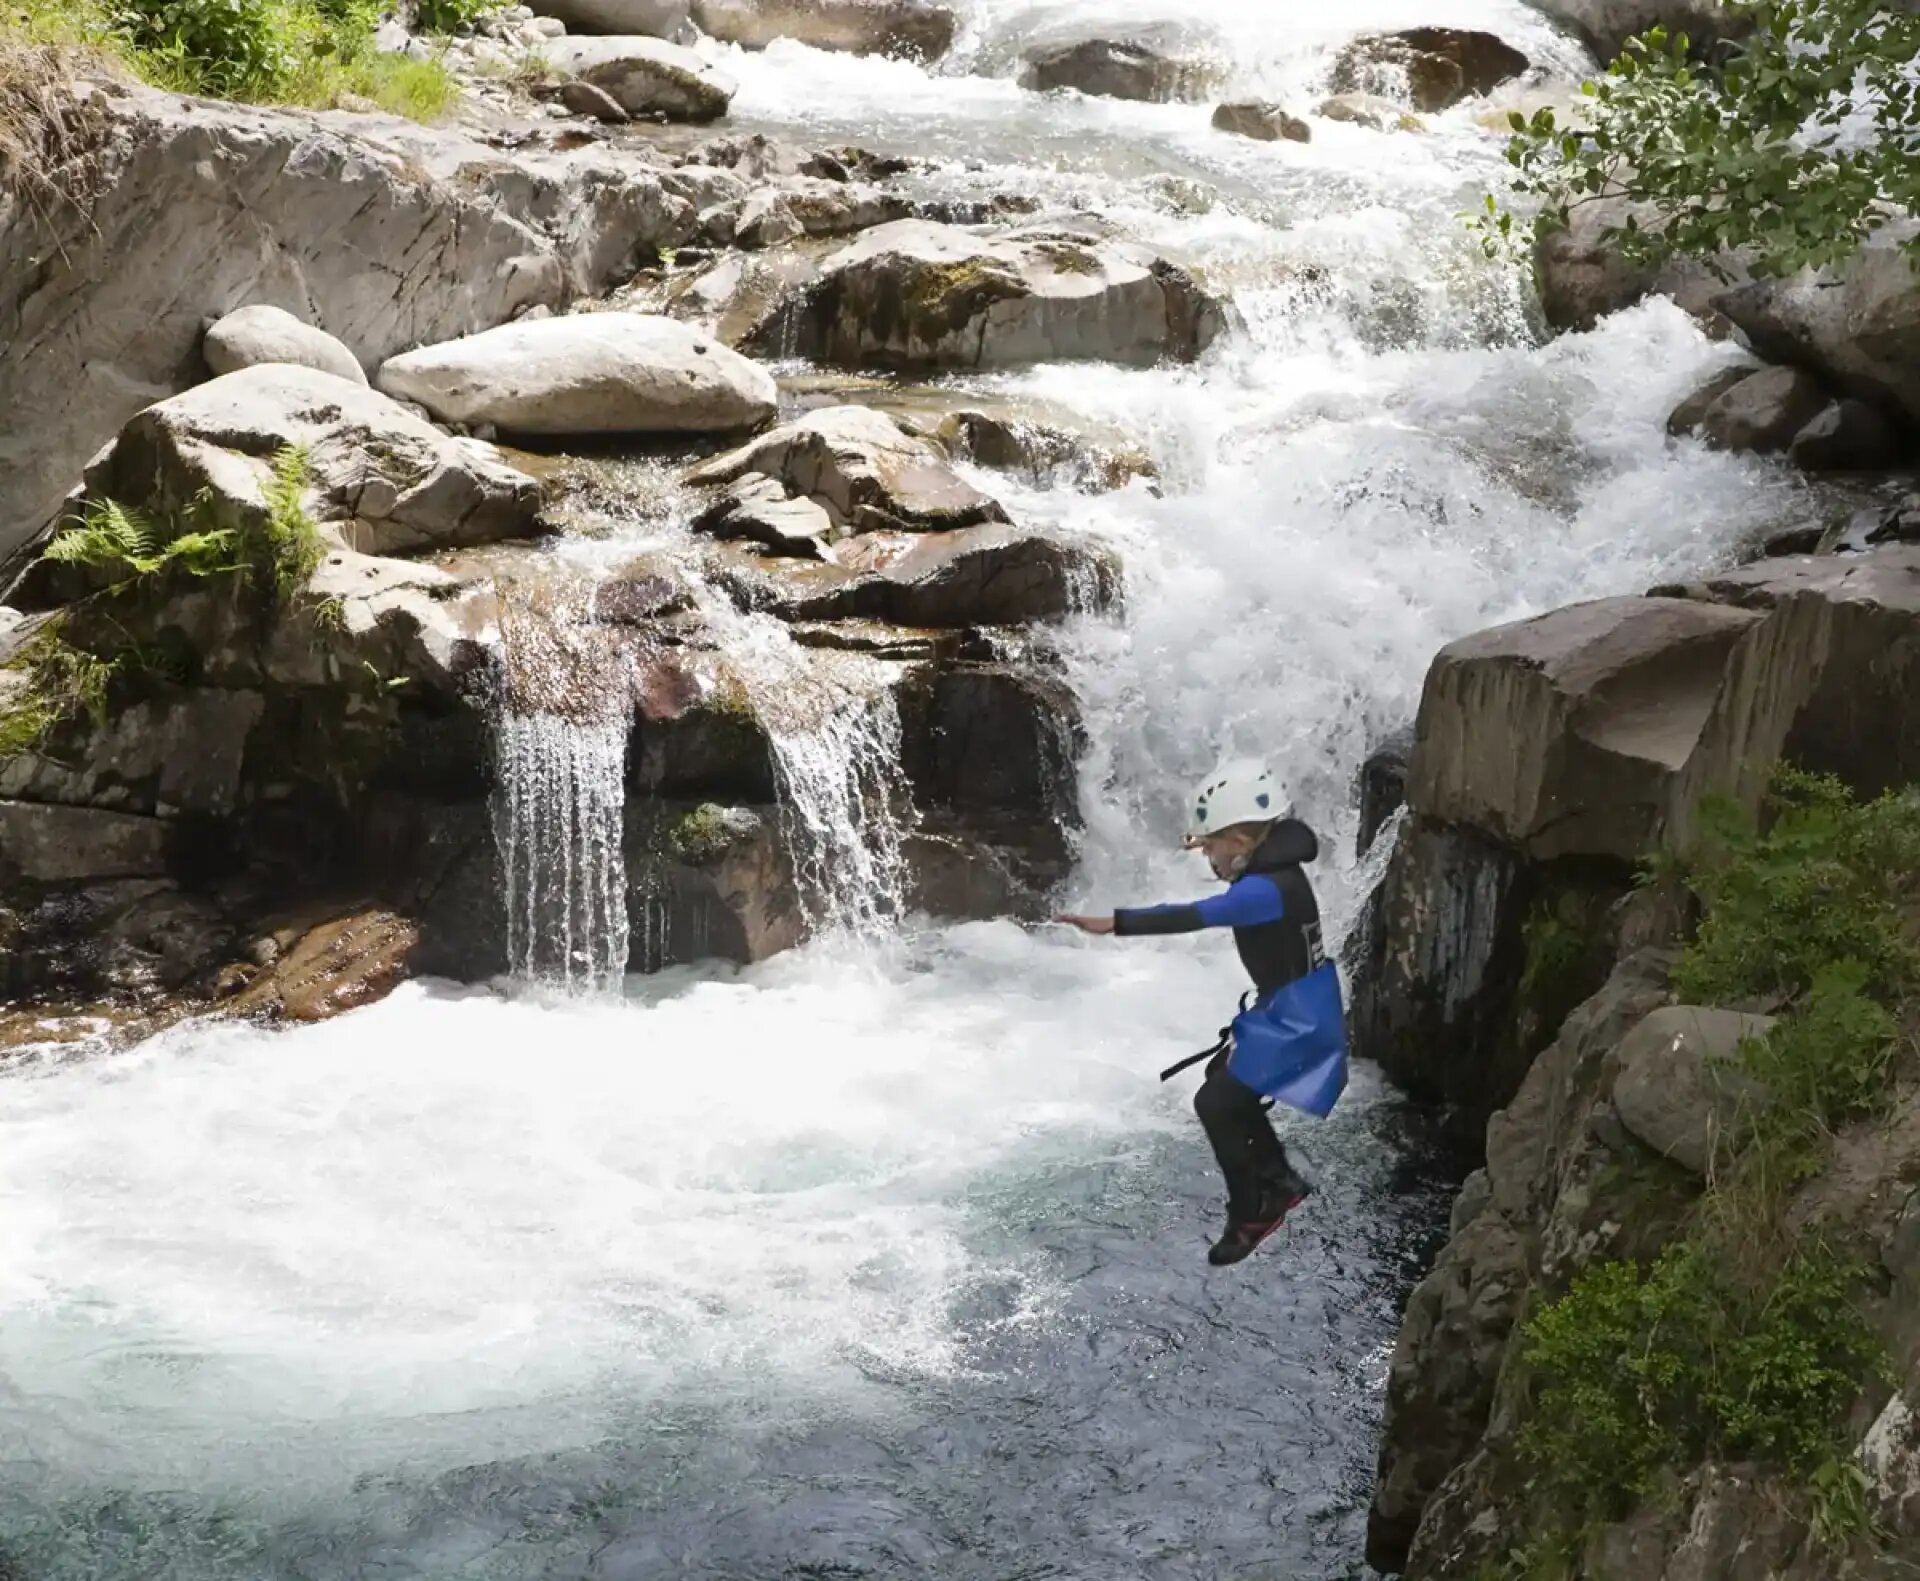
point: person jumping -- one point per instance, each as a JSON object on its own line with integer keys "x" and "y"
{"x": 1291, "y": 1044}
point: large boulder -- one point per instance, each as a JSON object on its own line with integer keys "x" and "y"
{"x": 856, "y": 468}
{"x": 1859, "y": 330}
{"x": 1822, "y": 679}
{"x": 589, "y": 373}
{"x": 1432, "y": 68}
{"x": 1763, "y": 412}
{"x": 1606, "y": 25}
{"x": 644, "y": 76}
{"x": 1572, "y": 733}
{"x": 1848, "y": 436}
{"x": 1678, "y": 1088}
{"x": 249, "y": 336}
{"x": 394, "y": 484}
{"x": 1583, "y": 278}
{"x": 103, "y": 302}
{"x": 914, "y": 29}
{"x": 668, "y": 19}
{"x": 992, "y": 575}
{"x": 1160, "y": 65}
{"x": 919, "y": 295}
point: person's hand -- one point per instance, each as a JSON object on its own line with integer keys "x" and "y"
{"x": 1100, "y": 925}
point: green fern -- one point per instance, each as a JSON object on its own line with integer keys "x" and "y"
{"x": 292, "y": 548}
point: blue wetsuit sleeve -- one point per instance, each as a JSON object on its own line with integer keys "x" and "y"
{"x": 1247, "y": 903}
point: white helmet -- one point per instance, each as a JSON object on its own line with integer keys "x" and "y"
{"x": 1241, "y": 791}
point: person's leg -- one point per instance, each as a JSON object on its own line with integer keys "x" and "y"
{"x": 1251, "y": 1157}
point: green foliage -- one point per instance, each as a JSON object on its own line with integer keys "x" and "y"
{"x": 233, "y": 48}
{"x": 450, "y": 16}
{"x": 280, "y": 551}
{"x": 1634, "y": 1370}
{"x": 290, "y": 547}
{"x": 700, "y": 834}
{"x": 1842, "y": 1504}
{"x": 128, "y": 544}
{"x": 1824, "y": 882}
{"x": 313, "y": 52}
{"x": 1796, "y": 142}
{"x": 59, "y": 682}
{"x": 1831, "y": 1059}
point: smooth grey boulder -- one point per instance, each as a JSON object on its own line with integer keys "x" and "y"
{"x": 911, "y": 29}
{"x": 1265, "y": 123}
{"x": 1678, "y": 1089}
{"x": 668, "y": 19}
{"x": 644, "y": 76}
{"x": 249, "y": 336}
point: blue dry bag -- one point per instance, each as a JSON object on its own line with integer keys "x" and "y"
{"x": 1292, "y": 1046}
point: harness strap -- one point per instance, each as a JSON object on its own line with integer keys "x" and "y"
{"x": 1178, "y": 1066}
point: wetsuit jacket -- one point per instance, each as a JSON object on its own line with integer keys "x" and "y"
{"x": 1270, "y": 907}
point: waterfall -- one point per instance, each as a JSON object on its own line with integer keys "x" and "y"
{"x": 559, "y": 801}
{"x": 558, "y": 806}
{"x": 839, "y": 793}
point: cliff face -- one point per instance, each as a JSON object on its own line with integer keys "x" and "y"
{"x": 1635, "y": 1140}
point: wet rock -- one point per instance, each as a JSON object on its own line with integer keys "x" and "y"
{"x": 1041, "y": 451}
{"x": 861, "y": 469}
{"x": 668, "y": 19}
{"x": 1383, "y": 785}
{"x": 1435, "y": 996}
{"x": 1606, "y": 25}
{"x": 1683, "y": 422}
{"x": 1858, "y": 330}
{"x": 1571, "y": 733}
{"x": 709, "y": 880}
{"x": 102, "y": 306}
{"x": 1678, "y": 1089}
{"x": 1433, "y": 68}
{"x": 1266, "y": 123}
{"x": 988, "y": 576}
{"x": 918, "y": 295}
{"x": 760, "y": 510}
{"x": 975, "y": 576}
{"x": 1452, "y": 1348}
{"x": 1160, "y": 65}
{"x": 339, "y": 965}
{"x": 1583, "y": 278}
{"x": 252, "y": 335}
{"x": 1368, "y": 110}
{"x": 1847, "y": 436}
{"x": 49, "y": 844}
{"x": 183, "y": 751}
{"x": 1763, "y": 412}
{"x": 582, "y": 98}
{"x": 644, "y": 76}
{"x": 391, "y": 482}
{"x": 596, "y": 373}
{"x": 912, "y": 29}
{"x": 997, "y": 740}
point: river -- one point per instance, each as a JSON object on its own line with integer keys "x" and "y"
{"x": 887, "y": 1257}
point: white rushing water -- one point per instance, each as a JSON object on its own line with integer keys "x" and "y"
{"x": 557, "y": 826}
{"x": 462, "y": 1225}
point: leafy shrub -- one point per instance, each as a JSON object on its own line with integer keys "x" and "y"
{"x": 234, "y": 48}
{"x": 1796, "y": 142}
{"x": 449, "y": 16}
{"x": 1830, "y": 1059}
{"x": 1824, "y": 882}
{"x": 1636, "y": 1370}
{"x": 317, "y": 52}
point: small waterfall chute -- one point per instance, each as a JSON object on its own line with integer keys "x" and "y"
{"x": 559, "y": 802}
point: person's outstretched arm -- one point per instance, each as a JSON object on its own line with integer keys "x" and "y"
{"x": 1247, "y": 902}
